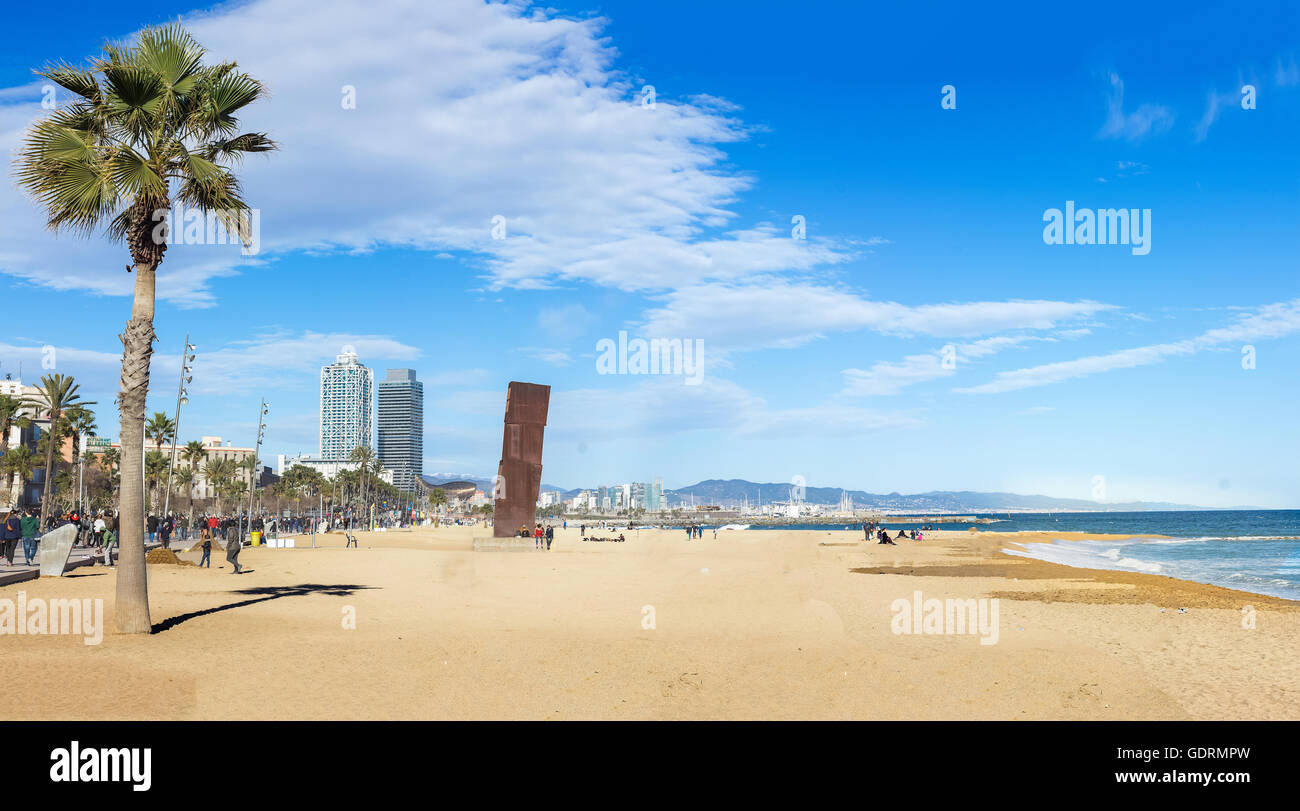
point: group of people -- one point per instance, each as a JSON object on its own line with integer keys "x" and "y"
{"x": 619, "y": 539}
{"x": 540, "y": 534}
{"x": 882, "y": 535}
{"x": 99, "y": 533}
{"x": 19, "y": 526}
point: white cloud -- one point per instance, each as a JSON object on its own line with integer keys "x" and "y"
{"x": 778, "y": 313}
{"x": 1271, "y": 321}
{"x": 464, "y": 110}
{"x": 278, "y": 358}
{"x": 885, "y": 377}
{"x": 1214, "y": 104}
{"x": 1147, "y": 119}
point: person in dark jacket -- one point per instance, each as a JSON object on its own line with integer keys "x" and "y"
{"x": 10, "y": 532}
{"x": 206, "y": 560}
{"x": 232, "y": 553}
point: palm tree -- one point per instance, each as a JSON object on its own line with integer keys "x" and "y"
{"x": 185, "y": 479}
{"x": 155, "y": 467}
{"x": 194, "y": 453}
{"x": 110, "y": 460}
{"x": 437, "y": 497}
{"x": 160, "y": 428}
{"x": 56, "y": 394}
{"x": 149, "y": 122}
{"x": 248, "y": 464}
{"x": 11, "y": 416}
{"x": 19, "y": 463}
{"x": 81, "y": 423}
{"x": 218, "y": 472}
{"x": 363, "y": 455}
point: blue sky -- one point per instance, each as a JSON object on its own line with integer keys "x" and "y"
{"x": 823, "y": 357}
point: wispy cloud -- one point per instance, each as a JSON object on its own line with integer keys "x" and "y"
{"x": 1147, "y": 119}
{"x": 783, "y": 314}
{"x": 1271, "y": 321}
{"x": 1214, "y": 104}
{"x": 889, "y": 377}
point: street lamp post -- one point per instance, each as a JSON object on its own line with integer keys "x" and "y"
{"x": 187, "y": 357}
{"x": 252, "y": 481}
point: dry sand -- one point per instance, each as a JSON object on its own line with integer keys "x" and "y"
{"x": 757, "y": 624}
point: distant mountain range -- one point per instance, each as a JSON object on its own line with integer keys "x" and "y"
{"x": 735, "y": 492}
{"x": 732, "y": 492}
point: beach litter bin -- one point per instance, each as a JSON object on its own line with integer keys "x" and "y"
{"x": 257, "y": 538}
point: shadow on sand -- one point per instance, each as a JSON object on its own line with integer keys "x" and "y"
{"x": 262, "y": 594}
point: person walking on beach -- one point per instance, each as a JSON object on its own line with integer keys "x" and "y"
{"x": 537, "y": 537}
{"x": 206, "y": 560}
{"x": 30, "y": 525}
{"x": 233, "y": 546}
{"x": 9, "y": 534}
{"x": 110, "y": 541}
{"x": 550, "y": 536}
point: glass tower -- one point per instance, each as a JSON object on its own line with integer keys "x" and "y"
{"x": 401, "y": 427}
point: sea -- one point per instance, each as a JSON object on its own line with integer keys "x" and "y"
{"x": 1250, "y": 550}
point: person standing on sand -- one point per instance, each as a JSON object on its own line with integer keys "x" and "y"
{"x": 110, "y": 540}
{"x": 31, "y": 527}
{"x": 550, "y": 536}
{"x": 233, "y": 546}
{"x": 537, "y": 537}
{"x": 206, "y": 560}
{"x": 11, "y": 532}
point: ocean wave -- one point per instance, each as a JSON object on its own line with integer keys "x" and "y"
{"x": 1080, "y": 556}
{"x": 1226, "y": 538}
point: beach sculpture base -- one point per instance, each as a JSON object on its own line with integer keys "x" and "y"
{"x": 56, "y": 548}
{"x": 488, "y": 543}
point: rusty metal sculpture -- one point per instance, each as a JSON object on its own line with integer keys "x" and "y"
{"x": 519, "y": 476}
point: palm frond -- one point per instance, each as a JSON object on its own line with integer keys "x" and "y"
{"x": 235, "y": 148}
{"x": 80, "y": 81}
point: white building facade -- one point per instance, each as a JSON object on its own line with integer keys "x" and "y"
{"x": 346, "y": 406}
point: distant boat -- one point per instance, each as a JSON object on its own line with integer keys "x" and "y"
{"x": 734, "y": 526}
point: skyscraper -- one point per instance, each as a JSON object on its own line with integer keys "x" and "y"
{"x": 401, "y": 427}
{"x": 346, "y": 403}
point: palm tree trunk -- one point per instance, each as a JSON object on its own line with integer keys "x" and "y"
{"x": 131, "y": 610}
{"x": 9, "y": 475}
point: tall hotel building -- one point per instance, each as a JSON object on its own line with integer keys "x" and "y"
{"x": 346, "y": 398}
{"x": 401, "y": 427}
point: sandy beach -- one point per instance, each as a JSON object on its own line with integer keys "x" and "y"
{"x": 755, "y": 624}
